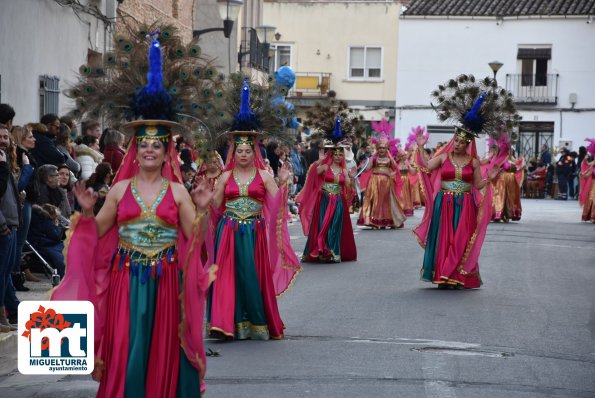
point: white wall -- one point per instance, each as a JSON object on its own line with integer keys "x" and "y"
{"x": 431, "y": 51}
{"x": 321, "y": 34}
{"x": 41, "y": 38}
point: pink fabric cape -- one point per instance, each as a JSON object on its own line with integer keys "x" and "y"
{"x": 285, "y": 265}
{"x": 431, "y": 183}
{"x": 90, "y": 279}
{"x": 585, "y": 188}
{"x": 397, "y": 182}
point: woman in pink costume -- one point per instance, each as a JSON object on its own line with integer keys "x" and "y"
{"x": 381, "y": 207}
{"x": 587, "y": 192}
{"x": 457, "y": 213}
{"x": 256, "y": 261}
{"x": 324, "y": 206}
{"x": 137, "y": 262}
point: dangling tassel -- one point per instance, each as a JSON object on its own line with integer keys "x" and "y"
{"x": 134, "y": 268}
{"x": 123, "y": 259}
{"x": 170, "y": 255}
{"x": 145, "y": 274}
{"x": 242, "y": 227}
{"x": 159, "y": 266}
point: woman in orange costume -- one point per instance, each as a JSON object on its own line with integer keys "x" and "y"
{"x": 587, "y": 192}
{"x": 507, "y": 192}
{"x": 381, "y": 207}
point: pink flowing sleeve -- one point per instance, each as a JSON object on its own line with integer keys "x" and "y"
{"x": 285, "y": 265}
{"x": 585, "y": 187}
{"x": 88, "y": 261}
{"x": 195, "y": 284}
{"x": 306, "y": 199}
{"x": 428, "y": 180}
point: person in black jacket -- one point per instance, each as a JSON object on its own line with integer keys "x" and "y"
{"x": 45, "y": 151}
{"x": 46, "y": 234}
{"x": 563, "y": 170}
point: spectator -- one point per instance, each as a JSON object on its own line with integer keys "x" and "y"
{"x": 47, "y": 235}
{"x": 88, "y": 156}
{"x": 188, "y": 174}
{"x": 545, "y": 157}
{"x": 9, "y": 222}
{"x": 92, "y": 128}
{"x": 113, "y": 152}
{"x": 67, "y": 120}
{"x": 186, "y": 158}
{"x": 49, "y": 189}
{"x": 29, "y": 191}
{"x": 63, "y": 144}
{"x": 6, "y": 115}
{"x": 100, "y": 182}
{"x": 45, "y": 151}
{"x": 563, "y": 171}
{"x": 67, "y": 181}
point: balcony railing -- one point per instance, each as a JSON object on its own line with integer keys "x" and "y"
{"x": 533, "y": 89}
{"x": 253, "y": 53}
{"x": 311, "y": 84}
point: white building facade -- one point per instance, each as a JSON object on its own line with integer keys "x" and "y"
{"x": 548, "y": 64}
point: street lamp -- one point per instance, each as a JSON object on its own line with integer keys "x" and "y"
{"x": 228, "y": 10}
{"x": 495, "y": 66}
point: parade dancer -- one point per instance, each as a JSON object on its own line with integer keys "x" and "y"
{"x": 324, "y": 205}
{"x": 587, "y": 190}
{"x": 457, "y": 213}
{"x": 137, "y": 261}
{"x": 381, "y": 208}
{"x": 256, "y": 261}
{"x": 507, "y": 191}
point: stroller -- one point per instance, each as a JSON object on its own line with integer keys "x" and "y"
{"x": 44, "y": 265}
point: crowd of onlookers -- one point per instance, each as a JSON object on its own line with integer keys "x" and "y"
{"x": 554, "y": 176}
{"x": 39, "y": 164}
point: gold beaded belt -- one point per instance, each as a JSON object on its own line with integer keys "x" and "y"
{"x": 455, "y": 186}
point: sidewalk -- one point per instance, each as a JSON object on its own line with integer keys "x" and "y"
{"x": 14, "y": 384}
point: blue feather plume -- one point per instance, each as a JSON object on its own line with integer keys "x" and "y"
{"x": 337, "y": 134}
{"x": 473, "y": 119}
{"x": 245, "y": 119}
{"x": 153, "y": 101}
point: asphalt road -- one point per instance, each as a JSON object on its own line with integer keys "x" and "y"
{"x": 371, "y": 328}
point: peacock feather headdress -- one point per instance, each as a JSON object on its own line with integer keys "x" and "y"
{"x": 475, "y": 106}
{"x": 254, "y": 109}
{"x": 191, "y": 87}
{"x": 322, "y": 117}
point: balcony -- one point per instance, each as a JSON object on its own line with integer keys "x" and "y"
{"x": 538, "y": 89}
{"x": 253, "y": 54}
{"x": 310, "y": 87}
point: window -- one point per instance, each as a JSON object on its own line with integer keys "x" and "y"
{"x": 365, "y": 62}
{"x": 534, "y": 65}
{"x": 49, "y": 94}
{"x": 280, "y": 55}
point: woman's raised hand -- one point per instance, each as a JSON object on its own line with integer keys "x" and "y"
{"x": 420, "y": 139}
{"x": 201, "y": 193}
{"x": 86, "y": 197}
{"x": 352, "y": 172}
{"x": 283, "y": 173}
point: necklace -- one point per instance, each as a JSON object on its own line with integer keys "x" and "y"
{"x": 458, "y": 166}
{"x": 243, "y": 187}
